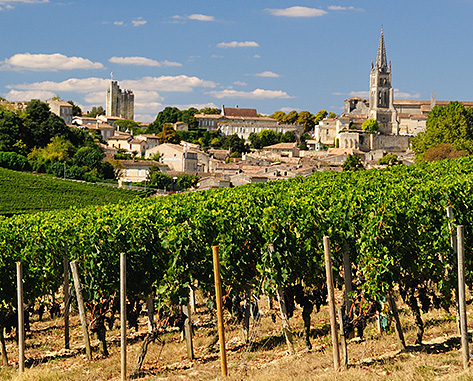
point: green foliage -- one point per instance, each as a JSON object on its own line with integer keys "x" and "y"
{"x": 88, "y": 157}
{"x": 279, "y": 116}
{"x": 158, "y": 178}
{"x": 168, "y": 134}
{"x": 389, "y": 159}
{"x": 58, "y": 149}
{"x": 306, "y": 119}
{"x": 95, "y": 111}
{"x": 268, "y": 138}
{"x": 23, "y": 192}
{"x": 291, "y": 117}
{"x": 127, "y": 125}
{"x": 12, "y": 160}
{"x": 76, "y": 110}
{"x": 235, "y": 144}
{"x": 185, "y": 181}
{"x": 451, "y": 124}
{"x": 352, "y": 163}
{"x": 370, "y": 125}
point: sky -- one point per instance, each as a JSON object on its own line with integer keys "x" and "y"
{"x": 269, "y": 55}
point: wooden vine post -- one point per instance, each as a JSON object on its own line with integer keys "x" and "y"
{"x": 343, "y": 340}
{"x": 454, "y": 245}
{"x": 331, "y": 303}
{"x": 123, "y": 315}
{"x": 186, "y": 309}
{"x": 218, "y": 297}
{"x": 397, "y": 323}
{"x": 66, "y": 300}
{"x": 347, "y": 275}
{"x": 21, "y": 318}
{"x": 461, "y": 296}
{"x": 80, "y": 305}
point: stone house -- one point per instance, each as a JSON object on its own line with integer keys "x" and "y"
{"x": 281, "y": 150}
{"x": 62, "y": 109}
{"x": 137, "y": 170}
{"x": 177, "y": 157}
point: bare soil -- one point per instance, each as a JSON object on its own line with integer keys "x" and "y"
{"x": 266, "y": 358}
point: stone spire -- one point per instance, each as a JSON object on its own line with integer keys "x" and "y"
{"x": 381, "y": 60}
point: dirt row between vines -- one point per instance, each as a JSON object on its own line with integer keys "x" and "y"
{"x": 375, "y": 357}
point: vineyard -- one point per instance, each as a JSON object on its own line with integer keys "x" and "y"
{"x": 392, "y": 224}
{"x": 22, "y": 192}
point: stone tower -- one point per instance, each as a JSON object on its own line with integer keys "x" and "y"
{"x": 120, "y": 102}
{"x": 381, "y": 105}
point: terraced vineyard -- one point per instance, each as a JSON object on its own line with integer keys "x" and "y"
{"x": 22, "y": 192}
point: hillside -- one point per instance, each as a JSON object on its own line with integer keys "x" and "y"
{"x": 22, "y": 192}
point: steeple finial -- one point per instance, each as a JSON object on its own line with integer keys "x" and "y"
{"x": 381, "y": 60}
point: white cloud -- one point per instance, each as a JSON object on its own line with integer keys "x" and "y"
{"x": 255, "y": 94}
{"x": 15, "y": 95}
{"x": 240, "y": 83}
{"x": 145, "y": 118}
{"x": 138, "y": 22}
{"x": 47, "y": 62}
{"x": 289, "y": 109}
{"x": 236, "y": 44}
{"x": 141, "y": 61}
{"x": 297, "y": 12}
{"x": 200, "y": 17}
{"x": 198, "y": 106}
{"x": 267, "y": 74}
{"x": 119, "y": 23}
{"x": 256, "y": 56}
{"x": 180, "y": 83}
{"x": 400, "y": 94}
{"x": 147, "y": 107}
{"x": 340, "y": 8}
{"x": 83, "y": 85}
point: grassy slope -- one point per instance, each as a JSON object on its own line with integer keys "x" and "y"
{"x": 22, "y": 192}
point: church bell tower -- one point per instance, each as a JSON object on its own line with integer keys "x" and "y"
{"x": 381, "y": 105}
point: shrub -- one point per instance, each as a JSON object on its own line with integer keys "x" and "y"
{"x": 12, "y": 160}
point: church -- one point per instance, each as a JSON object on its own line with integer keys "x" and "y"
{"x": 398, "y": 119}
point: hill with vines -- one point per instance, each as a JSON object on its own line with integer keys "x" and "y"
{"x": 22, "y": 192}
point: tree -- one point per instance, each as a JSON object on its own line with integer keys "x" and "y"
{"x": 235, "y": 144}
{"x": 291, "y": 118}
{"x": 352, "y": 163}
{"x": 158, "y": 178}
{"x": 127, "y": 125}
{"x": 451, "y": 124}
{"x": 186, "y": 181}
{"x": 306, "y": 119}
{"x": 95, "y": 112}
{"x": 288, "y": 137}
{"x": 255, "y": 141}
{"x": 320, "y": 116}
{"x": 210, "y": 111}
{"x": 88, "y": 157}
{"x": 76, "y": 110}
{"x": 389, "y": 159}
{"x": 268, "y": 138}
{"x": 59, "y": 149}
{"x": 11, "y": 127}
{"x": 332, "y": 115}
{"x": 443, "y": 151}
{"x": 279, "y": 116}
{"x": 370, "y": 125}
{"x": 168, "y": 134}
{"x": 187, "y": 116}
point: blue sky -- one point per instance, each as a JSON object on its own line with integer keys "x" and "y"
{"x": 268, "y": 55}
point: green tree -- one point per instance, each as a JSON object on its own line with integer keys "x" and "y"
{"x": 268, "y": 138}
{"x": 389, "y": 159}
{"x": 168, "y": 134}
{"x": 235, "y": 144}
{"x": 352, "y": 163}
{"x": 255, "y": 141}
{"x": 451, "y": 124}
{"x": 288, "y": 137}
{"x": 11, "y": 127}
{"x": 291, "y": 117}
{"x": 186, "y": 181}
{"x": 443, "y": 151}
{"x": 370, "y": 125}
{"x": 210, "y": 111}
{"x": 95, "y": 111}
{"x": 306, "y": 119}
{"x": 320, "y": 116}
{"x": 76, "y": 110}
{"x": 89, "y": 157}
{"x": 187, "y": 116}
{"x": 59, "y": 149}
{"x": 127, "y": 125}
{"x": 332, "y": 115}
{"x": 158, "y": 178}
{"x": 279, "y": 116}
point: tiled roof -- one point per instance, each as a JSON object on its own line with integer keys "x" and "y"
{"x": 240, "y": 112}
